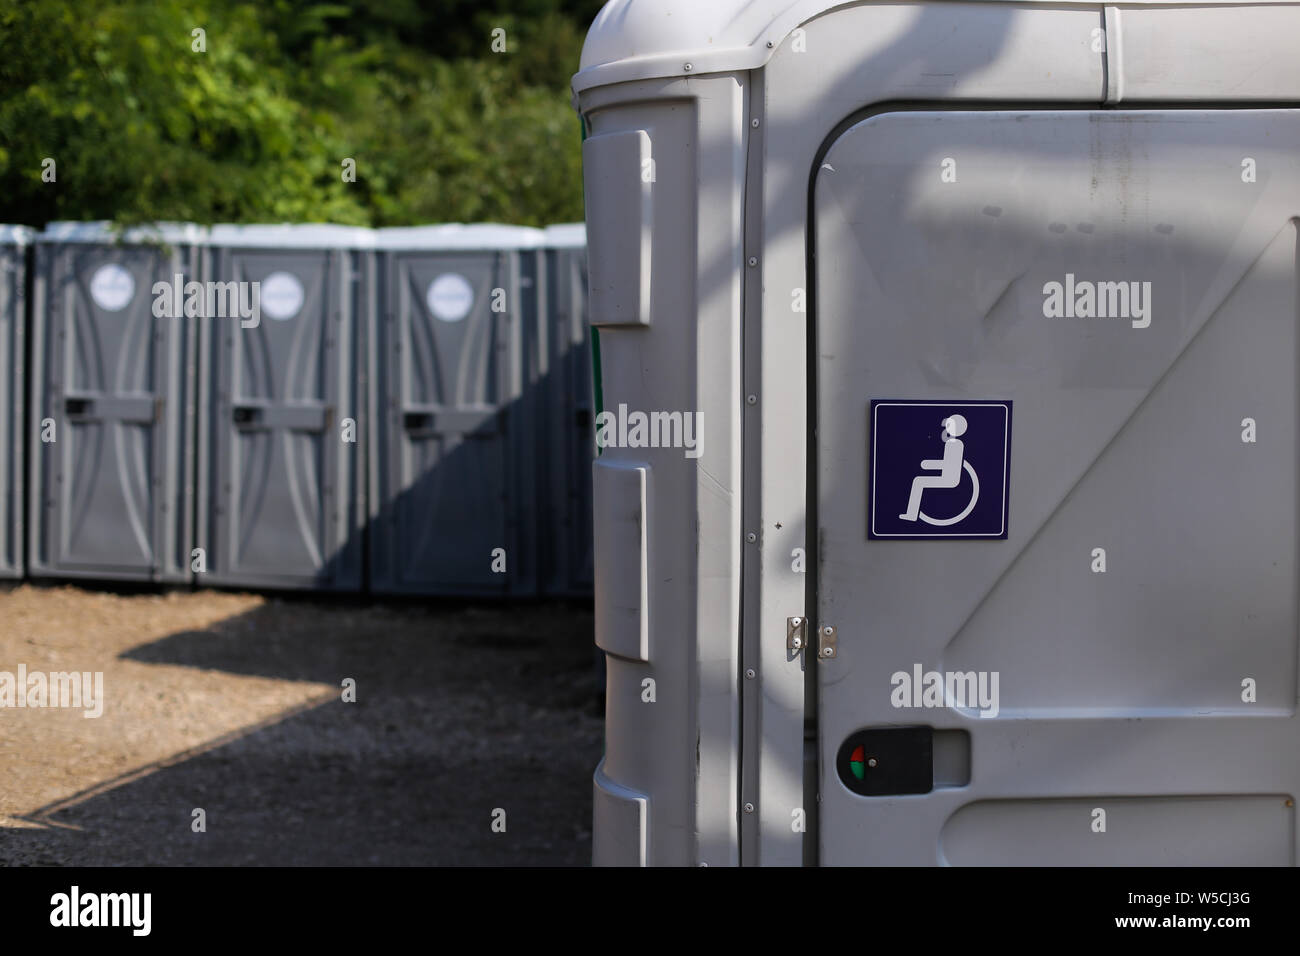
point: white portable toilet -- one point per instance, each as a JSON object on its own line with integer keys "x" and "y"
{"x": 14, "y": 244}
{"x": 281, "y": 442}
{"x": 110, "y": 419}
{"x": 455, "y": 339}
{"x": 985, "y": 551}
{"x": 567, "y": 437}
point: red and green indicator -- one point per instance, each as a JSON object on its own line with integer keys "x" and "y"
{"x": 885, "y": 761}
{"x": 858, "y": 763}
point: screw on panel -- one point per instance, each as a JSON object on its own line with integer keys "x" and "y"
{"x": 751, "y": 537}
{"x": 752, "y": 399}
{"x": 754, "y": 123}
{"x": 751, "y": 673}
{"x": 770, "y": 44}
{"x": 753, "y": 261}
{"x": 688, "y": 67}
{"x": 749, "y": 808}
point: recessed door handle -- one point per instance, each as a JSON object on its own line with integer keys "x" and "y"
{"x": 246, "y": 416}
{"x": 78, "y": 407}
{"x": 417, "y": 421}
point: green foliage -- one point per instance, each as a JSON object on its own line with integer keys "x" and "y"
{"x": 256, "y": 127}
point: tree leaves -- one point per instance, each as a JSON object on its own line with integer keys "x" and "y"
{"x": 256, "y": 126}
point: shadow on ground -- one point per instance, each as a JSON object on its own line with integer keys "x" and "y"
{"x": 460, "y": 711}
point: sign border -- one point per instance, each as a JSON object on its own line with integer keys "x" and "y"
{"x": 872, "y": 534}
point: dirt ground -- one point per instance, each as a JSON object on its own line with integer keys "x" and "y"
{"x": 232, "y": 704}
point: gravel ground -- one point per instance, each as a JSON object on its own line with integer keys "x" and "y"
{"x": 232, "y": 703}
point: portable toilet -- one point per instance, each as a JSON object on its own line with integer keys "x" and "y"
{"x": 988, "y": 553}
{"x": 280, "y": 436}
{"x": 455, "y": 398}
{"x": 14, "y": 244}
{"x": 569, "y": 434}
{"x": 110, "y": 427}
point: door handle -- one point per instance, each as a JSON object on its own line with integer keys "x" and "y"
{"x": 417, "y": 421}
{"x": 286, "y": 416}
{"x": 246, "y": 416}
{"x": 78, "y": 407}
{"x": 127, "y": 409}
{"x": 486, "y": 423}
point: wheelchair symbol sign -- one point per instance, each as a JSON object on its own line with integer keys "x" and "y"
{"x": 939, "y": 469}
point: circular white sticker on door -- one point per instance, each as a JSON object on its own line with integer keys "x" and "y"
{"x": 282, "y": 295}
{"x": 450, "y": 297}
{"x": 112, "y": 287}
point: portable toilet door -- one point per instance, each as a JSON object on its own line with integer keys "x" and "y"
{"x": 110, "y": 429}
{"x": 990, "y": 314}
{"x": 455, "y": 398}
{"x": 281, "y": 443}
{"x": 14, "y": 244}
{"x": 569, "y": 436}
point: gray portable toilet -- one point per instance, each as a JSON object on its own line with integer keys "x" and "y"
{"x": 14, "y": 244}
{"x": 110, "y": 426}
{"x": 455, "y": 403}
{"x": 568, "y": 438}
{"x": 280, "y": 436}
{"x": 989, "y": 310}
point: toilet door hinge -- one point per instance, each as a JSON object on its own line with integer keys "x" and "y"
{"x": 826, "y": 647}
{"x": 796, "y": 633}
{"x": 796, "y": 637}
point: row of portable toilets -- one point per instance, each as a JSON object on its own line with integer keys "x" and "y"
{"x": 404, "y": 411}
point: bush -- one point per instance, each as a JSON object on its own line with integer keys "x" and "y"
{"x": 256, "y": 127}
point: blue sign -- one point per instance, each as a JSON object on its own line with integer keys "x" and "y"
{"x": 939, "y": 469}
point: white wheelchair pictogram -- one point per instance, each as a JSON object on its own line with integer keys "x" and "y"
{"x": 949, "y": 470}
